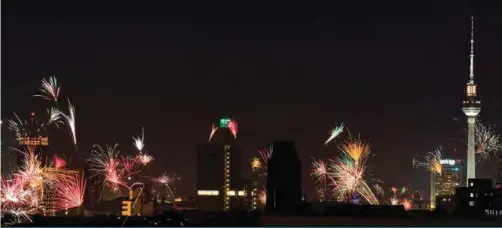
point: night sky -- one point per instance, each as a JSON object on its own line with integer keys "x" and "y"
{"x": 394, "y": 74}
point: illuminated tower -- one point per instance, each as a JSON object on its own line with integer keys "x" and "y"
{"x": 219, "y": 180}
{"x": 471, "y": 107}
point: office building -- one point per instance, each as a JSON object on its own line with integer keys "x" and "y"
{"x": 219, "y": 181}
{"x": 443, "y": 184}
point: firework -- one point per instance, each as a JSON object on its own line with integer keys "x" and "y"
{"x": 59, "y": 163}
{"x": 255, "y": 164}
{"x": 232, "y": 125}
{"x": 23, "y": 128}
{"x": 104, "y": 163}
{"x": 263, "y": 157}
{"x": 486, "y": 141}
{"x": 348, "y": 171}
{"x": 431, "y": 162}
{"x": 214, "y": 128}
{"x": 321, "y": 177}
{"x": 70, "y": 119}
{"x": 168, "y": 179}
{"x": 70, "y": 192}
{"x": 139, "y": 142}
{"x": 262, "y": 197}
{"x": 334, "y": 133}
{"x": 55, "y": 116}
{"x": 49, "y": 89}
{"x": 144, "y": 158}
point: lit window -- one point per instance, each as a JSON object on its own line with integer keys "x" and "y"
{"x": 231, "y": 193}
{"x": 240, "y": 193}
{"x": 471, "y": 203}
{"x": 208, "y": 192}
{"x": 472, "y": 184}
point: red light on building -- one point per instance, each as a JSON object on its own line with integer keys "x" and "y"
{"x": 32, "y": 113}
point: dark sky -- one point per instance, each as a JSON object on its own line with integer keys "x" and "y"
{"x": 394, "y": 74}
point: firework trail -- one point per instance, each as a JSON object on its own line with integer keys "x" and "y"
{"x": 486, "y": 141}
{"x": 139, "y": 142}
{"x": 70, "y": 192}
{"x": 70, "y": 120}
{"x": 335, "y": 133}
{"x": 232, "y": 125}
{"x": 431, "y": 162}
{"x": 214, "y": 128}
{"x": 59, "y": 163}
{"x": 49, "y": 89}
{"x": 349, "y": 171}
{"x": 55, "y": 116}
{"x": 379, "y": 190}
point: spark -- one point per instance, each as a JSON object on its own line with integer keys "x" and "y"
{"x": 406, "y": 204}
{"x": 55, "y": 116}
{"x": 139, "y": 142}
{"x": 214, "y": 128}
{"x": 232, "y": 125}
{"x": 49, "y": 89}
{"x": 321, "y": 176}
{"x": 23, "y": 128}
{"x": 486, "y": 141}
{"x": 334, "y": 133}
{"x": 356, "y": 149}
{"x": 264, "y": 156}
{"x": 431, "y": 162}
{"x": 168, "y": 179}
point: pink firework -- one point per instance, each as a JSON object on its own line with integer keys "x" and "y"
{"x": 144, "y": 158}
{"x": 264, "y": 156}
{"x": 214, "y": 128}
{"x": 70, "y": 192}
{"x": 59, "y": 163}
{"x": 262, "y": 197}
{"x": 105, "y": 165}
{"x": 232, "y": 125}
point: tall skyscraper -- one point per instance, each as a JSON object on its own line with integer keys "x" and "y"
{"x": 444, "y": 184}
{"x": 219, "y": 180}
{"x": 284, "y": 186}
{"x": 471, "y": 107}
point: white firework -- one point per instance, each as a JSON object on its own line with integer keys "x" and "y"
{"x": 49, "y": 89}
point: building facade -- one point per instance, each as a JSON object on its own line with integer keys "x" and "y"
{"x": 443, "y": 185}
{"x": 219, "y": 181}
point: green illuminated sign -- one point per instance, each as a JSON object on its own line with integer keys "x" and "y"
{"x": 224, "y": 122}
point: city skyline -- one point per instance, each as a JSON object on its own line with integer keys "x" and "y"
{"x": 400, "y": 85}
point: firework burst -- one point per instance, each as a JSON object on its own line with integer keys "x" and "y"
{"x": 486, "y": 141}
{"x": 335, "y": 133}
{"x": 321, "y": 177}
{"x": 49, "y": 89}
{"x": 144, "y": 158}
{"x": 104, "y": 163}
{"x": 70, "y": 192}
{"x": 349, "y": 171}
{"x": 55, "y": 116}
{"x": 431, "y": 162}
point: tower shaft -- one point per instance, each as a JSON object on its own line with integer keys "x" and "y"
{"x": 471, "y": 156}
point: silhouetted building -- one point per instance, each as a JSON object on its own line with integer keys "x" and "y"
{"x": 479, "y": 198}
{"x": 284, "y": 187}
{"x": 499, "y": 177}
{"x": 219, "y": 181}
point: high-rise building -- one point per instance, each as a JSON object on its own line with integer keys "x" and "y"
{"x": 443, "y": 185}
{"x": 219, "y": 181}
{"x": 471, "y": 107}
{"x": 284, "y": 186}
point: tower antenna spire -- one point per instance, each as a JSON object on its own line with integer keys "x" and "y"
{"x": 471, "y": 66}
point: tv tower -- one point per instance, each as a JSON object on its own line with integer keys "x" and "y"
{"x": 471, "y": 107}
